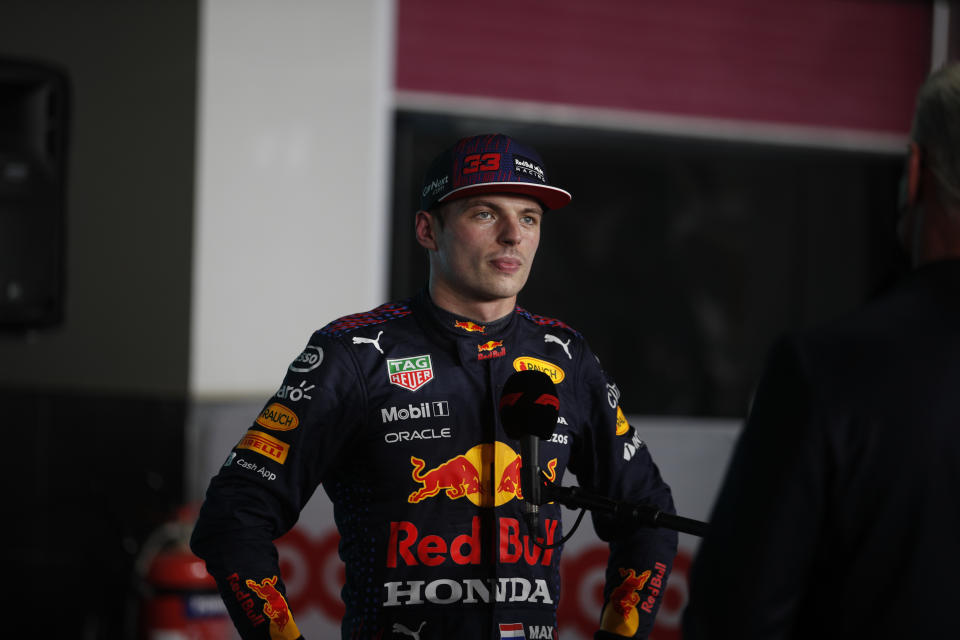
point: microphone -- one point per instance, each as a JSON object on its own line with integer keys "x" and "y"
{"x": 529, "y": 407}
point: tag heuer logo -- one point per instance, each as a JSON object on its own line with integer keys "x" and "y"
{"x": 410, "y": 373}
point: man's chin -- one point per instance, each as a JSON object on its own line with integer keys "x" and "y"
{"x": 494, "y": 294}
{"x": 507, "y": 288}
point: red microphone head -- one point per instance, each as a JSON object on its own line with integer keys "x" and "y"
{"x": 529, "y": 405}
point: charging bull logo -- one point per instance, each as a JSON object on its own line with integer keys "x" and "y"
{"x": 458, "y": 477}
{"x": 491, "y": 349}
{"x": 472, "y": 327}
{"x": 468, "y": 476}
{"x": 620, "y": 615}
{"x": 625, "y": 597}
{"x": 282, "y": 625}
{"x": 510, "y": 478}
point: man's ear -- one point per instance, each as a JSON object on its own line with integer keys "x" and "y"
{"x": 914, "y": 174}
{"x": 424, "y": 229}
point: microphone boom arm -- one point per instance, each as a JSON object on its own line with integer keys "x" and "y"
{"x": 577, "y": 498}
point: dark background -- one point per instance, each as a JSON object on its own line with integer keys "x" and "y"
{"x": 681, "y": 259}
{"x": 102, "y": 234}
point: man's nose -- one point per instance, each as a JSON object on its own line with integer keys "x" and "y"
{"x": 510, "y": 231}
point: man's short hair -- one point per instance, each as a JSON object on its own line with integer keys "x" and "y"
{"x": 440, "y": 209}
{"x": 936, "y": 129}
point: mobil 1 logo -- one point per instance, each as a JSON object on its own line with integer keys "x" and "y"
{"x": 436, "y": 409}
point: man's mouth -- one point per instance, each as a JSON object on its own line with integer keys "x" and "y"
{"x": 506, "y": 265}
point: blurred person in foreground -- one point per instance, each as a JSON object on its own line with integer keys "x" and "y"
{"x": 839, "y": 515}
{"x": 395, "y": 412}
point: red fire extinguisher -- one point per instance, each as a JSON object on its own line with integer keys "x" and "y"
{"x": 179, "y": 599}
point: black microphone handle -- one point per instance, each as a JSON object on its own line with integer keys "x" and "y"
{"x": 530, "y": 480}
{"x": 577, "y": 498}
{"x": 653, "y": 516}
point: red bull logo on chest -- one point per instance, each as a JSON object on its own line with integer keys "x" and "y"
{"x": 491, "y": 349}
{"x": 410, "y": 373}
{"x": 468, "y": 475}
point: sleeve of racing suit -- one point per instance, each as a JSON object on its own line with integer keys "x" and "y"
{"x": 613, "y": 461}
{"x": 266, "y": 480}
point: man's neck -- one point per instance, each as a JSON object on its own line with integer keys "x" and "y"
{"x": 477, "y": 310}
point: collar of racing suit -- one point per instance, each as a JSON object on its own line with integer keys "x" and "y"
{"x": 458, "y": 325}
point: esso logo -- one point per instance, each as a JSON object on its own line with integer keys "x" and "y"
{"x": 308, "y": 360}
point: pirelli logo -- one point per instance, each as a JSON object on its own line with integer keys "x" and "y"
{"x": 264, "y": 445}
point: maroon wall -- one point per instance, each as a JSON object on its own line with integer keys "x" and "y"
{"x": 839, "y": 63}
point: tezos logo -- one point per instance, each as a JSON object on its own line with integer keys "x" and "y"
{"x": 308, "y": 360}
{"x": 435, "y": 409}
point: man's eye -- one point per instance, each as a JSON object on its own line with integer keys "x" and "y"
{"x": 484, "y": 215}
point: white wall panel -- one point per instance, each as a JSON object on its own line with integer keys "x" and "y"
{"x": 293, "y": 152}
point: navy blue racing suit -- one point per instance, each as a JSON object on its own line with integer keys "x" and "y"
{"x": 394, "y": 412}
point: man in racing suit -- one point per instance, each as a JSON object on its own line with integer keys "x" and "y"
{"x": 394, "y": 412}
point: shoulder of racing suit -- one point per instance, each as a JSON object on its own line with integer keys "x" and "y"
{"x": 379, "y": 315}
{"x": 544, "y": 321}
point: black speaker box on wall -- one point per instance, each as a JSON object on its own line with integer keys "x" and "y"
{"x": 34, "y": 122}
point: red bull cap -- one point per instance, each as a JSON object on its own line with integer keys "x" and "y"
{"x": 490, "y": 163}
